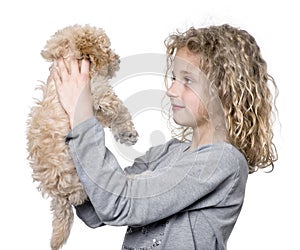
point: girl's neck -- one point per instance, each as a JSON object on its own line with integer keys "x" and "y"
{"x": 201, "y": 135}
{"x": 207, "y": 134}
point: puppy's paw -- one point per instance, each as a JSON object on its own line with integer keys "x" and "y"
{"x": 128, "y": 137}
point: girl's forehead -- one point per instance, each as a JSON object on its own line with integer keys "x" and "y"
{"x": 184, "y": 57}
{"x": 181, "y": 64}
{"x": 187, "y": 63}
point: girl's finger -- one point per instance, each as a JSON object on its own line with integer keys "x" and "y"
{"x": 62, "y": 67}
{"x": 85, "y": 66}
{"x": 74, "y": 67}
{"x": 56, "y": 77}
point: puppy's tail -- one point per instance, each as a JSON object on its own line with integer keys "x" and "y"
{"x": 63, "y": 217}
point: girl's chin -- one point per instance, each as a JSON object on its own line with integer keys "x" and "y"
{"x": 181, "y": 122}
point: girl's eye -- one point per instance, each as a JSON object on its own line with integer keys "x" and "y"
{"x": 173, "y": 77}
{"x": 187, "y": 80}
{"x": 172, "y": 80}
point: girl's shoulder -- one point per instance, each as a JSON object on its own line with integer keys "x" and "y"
{"x": 217, "y": 157}
{"x": 173, "y": 145}
{"x": 223, "y": 155}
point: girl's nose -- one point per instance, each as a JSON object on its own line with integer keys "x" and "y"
{"x": 174, "y": 89}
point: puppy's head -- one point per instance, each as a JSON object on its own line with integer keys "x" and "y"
{"x": 83, "y": 42}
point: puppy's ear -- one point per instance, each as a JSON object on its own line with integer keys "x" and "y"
{"x": 59, "y": 44}
{"x": 55, "y": 48}
{"x": 47, "y": 55}
{"x": 114, "y": 64}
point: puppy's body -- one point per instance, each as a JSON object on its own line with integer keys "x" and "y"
{"x": 48, "y": 123}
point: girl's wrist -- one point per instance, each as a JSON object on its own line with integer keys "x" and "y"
{"x": 81, "y": 116}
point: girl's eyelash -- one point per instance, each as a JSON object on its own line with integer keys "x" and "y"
{"x": 173, "y": 77}
{"x": 187, "y": 80}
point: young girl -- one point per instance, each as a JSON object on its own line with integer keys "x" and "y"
{"x": 183, "y": 194}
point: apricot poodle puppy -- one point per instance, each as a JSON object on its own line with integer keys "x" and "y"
{"x": 48, "y": 124}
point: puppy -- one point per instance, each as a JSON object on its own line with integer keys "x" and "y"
{"x": 48, "y": 123}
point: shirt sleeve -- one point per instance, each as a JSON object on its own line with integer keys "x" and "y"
{"x": 86, "y": 212}
{"x": 117, "y": 198}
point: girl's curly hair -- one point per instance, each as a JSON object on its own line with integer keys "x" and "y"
{"x": 232, "y": 61}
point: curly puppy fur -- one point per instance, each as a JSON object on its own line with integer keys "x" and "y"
{"x": 48, "y": 124}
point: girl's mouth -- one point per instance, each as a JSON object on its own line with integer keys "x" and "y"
{"x": 177, "y": 107}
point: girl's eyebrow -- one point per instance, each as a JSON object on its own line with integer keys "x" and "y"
{"x": 184, "y": 72}
{"x": 189, "y": 74}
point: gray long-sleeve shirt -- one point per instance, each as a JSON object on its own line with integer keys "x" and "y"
{"x": 170, "y": 198}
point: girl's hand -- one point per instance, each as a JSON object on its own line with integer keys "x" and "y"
{"x": 74, "y": 90}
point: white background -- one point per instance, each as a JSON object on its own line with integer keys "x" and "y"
{"x": 270, "y": 216}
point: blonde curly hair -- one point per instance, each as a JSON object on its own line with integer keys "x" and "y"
{"x": 232, "y": 61}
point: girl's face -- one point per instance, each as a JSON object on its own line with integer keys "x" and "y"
{"x": 188, "y": 90}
